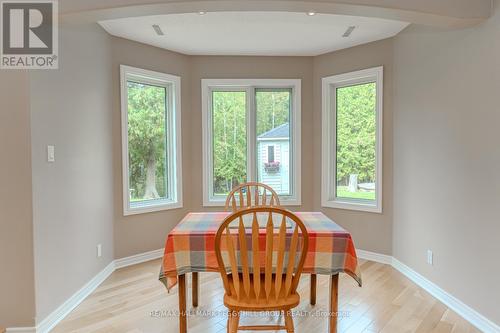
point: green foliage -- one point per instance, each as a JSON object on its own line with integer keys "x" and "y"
{"x": 229, "y": 133}
{"x": 356, "y": 128}
{"x": 273, "y": 109}
{"x": 146, "y": 138}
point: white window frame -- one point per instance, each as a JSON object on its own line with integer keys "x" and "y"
{"x": 329, "y": 142}
{"x": 174, "y": 144}
{"x": 250, "y": 85}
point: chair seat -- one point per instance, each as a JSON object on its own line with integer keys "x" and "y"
{"x": 252, "y": 303}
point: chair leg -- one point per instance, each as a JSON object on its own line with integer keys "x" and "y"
{"x": 289, "y": 321}
{"x": 233, "y": 321}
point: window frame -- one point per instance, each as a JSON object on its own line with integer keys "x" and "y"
{"x": 250, "y": 86}
{"x": 172, "y": 84}
{"x": 329, "y": 139}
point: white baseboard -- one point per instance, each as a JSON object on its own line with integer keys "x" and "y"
{"x": 372, "y": 256}
{"x": 465, "y": 311}
{"x": 21, "y": 330}
{"x": 138, "y": 258}
{"x": 64, "y": 309}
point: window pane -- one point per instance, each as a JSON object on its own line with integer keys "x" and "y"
{"x": 356, "y": 141}
{"x": 273, "y": 138}
{"x": 270, "y": 154}
{"x": 147, "y": 143}
{"x": 229, "y": 140}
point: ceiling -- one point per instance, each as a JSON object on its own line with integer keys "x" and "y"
{"x": 253, "y": 33}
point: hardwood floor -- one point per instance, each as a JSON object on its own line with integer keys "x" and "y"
{"x": 132, "y": 300}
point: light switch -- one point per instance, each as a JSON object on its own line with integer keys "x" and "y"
{"x": 51, "y": 154}
{"x": 430, "y": 257}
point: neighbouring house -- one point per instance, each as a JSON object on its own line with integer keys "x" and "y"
{"x": 273, "y": 158}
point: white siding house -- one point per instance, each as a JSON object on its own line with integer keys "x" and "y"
{"x": 273, "y": 161}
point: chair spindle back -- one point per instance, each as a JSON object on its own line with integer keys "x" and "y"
{"x": 251, "y": 194}
{"x": 280, "y": 277}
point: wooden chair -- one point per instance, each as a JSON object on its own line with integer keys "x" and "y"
{"x": 254, "y": 284}
{"x": 247, "y": 192}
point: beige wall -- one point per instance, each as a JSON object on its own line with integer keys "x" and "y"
{"x": 371, "y": 231}
{"x": 447, "y": 159}
{"x": 216, "y": 67}
{"x": 144, "y": 232}
{"x": 17, "y": 288}
{"x": 72, "y": 198}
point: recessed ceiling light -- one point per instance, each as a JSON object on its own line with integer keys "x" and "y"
{"x": 311, "y": 13}
{"x": 202, "y": 12}
{"x": 158, "y": 30}
{"x": 349, "y": 31}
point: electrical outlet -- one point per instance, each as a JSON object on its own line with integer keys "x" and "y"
{"x": 99, "y": 250}
{"x": 51, "y": 154}
{"x": 430, "y": 257}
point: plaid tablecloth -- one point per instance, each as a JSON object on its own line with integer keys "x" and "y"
{"x": 190, "y": 247}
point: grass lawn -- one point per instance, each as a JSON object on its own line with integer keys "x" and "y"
{"x": 342, "y": 192}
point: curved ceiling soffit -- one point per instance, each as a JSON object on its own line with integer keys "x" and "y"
{"x": 178, "y": 7}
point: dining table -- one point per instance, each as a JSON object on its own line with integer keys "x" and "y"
{"x": 190, "y": 249}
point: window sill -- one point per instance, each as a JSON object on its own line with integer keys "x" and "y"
{"x": 351, "y": 205}
{"x": 166, "y": 205}
{"x": 222, "y": 203}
